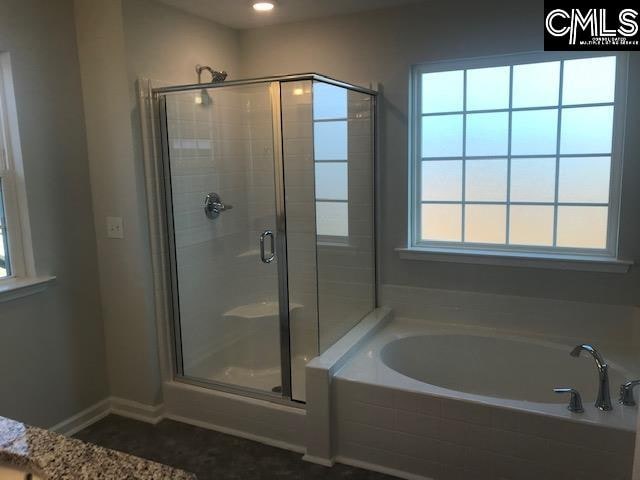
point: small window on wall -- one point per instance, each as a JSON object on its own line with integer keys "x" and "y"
{"x": 16, "y": 259}
{"x": 331, "y": 161}
{"x": 5, "y": 260}
{"x": 518, "y": 153}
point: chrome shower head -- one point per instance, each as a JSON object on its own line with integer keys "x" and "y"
{"x": 216, "y": 76}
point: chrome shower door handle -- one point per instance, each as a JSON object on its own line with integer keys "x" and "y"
{"x": 272, "y": 255}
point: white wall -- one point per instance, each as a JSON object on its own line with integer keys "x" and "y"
{"x": 381, "y": 46}
{"x": 165, "y": 44}
{"x": 120, "y": 41}
{"x": 125, "y": 267}
{"x": 52, "y": 360}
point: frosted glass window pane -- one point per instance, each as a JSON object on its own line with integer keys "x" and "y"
{"x": 332, "y": 219}
{"x": 330, "y": 140}
{"x": 487, "y": 134}
{"x": 488, "y": 88}
{"x": 329, "y": 101}
{"x": 586, "y": 130}
{"x": 589, "y": 80}
{"x": 442, "y": 92}
{"x": 534, "y": 132}
{"x": 536, "y": 84}
{"x": 533, "y": 179}
{"x": 442, "y": 180}
{"x": 486, "y": 180}
{"x": 2, "y": 220}
{"x": 442, "y": 222}
{"x": 531, "y": 225}
{"x": 332, "y": 181}
{"x": 442, "y": 136}
{"x": 4, "y": 267}
{"x": 485, "y": 223}
{"x": 584, "y": 180}
{"x": 582, "y": 227}
{"x": 3, "y": 256}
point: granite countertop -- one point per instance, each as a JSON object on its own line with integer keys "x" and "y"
{"x": 56, "y": 457}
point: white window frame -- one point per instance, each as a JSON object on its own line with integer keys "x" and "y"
{"x": 23, "y": 279}
{"x": 448, "y": 251}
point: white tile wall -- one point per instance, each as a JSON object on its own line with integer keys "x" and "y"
{"x": 447, "y": 439}
{"x": 575, "y": 321}
{"x": 265, "y": 422}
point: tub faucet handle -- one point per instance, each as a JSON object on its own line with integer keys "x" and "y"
{"x": 626, "y": 393}
{"x": 575, "y": 400}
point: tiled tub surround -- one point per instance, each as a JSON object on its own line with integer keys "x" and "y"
{"x": 565, "y": 321}
{"x": 388, "y": 421}
{"x": 54, "y": 457}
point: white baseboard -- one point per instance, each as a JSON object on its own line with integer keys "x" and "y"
{"x": 238, "y": 433}
{"x": 111, "y": 405}
{"x": 83, "y": 419}
{"x": 380, "y": 469}
{"x": 325, "y": 462}
{"x": 136, "y": 410}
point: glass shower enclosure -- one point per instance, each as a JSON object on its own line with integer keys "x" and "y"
{"x": 269, "y": 206}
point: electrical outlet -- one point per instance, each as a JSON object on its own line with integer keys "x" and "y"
{"x": 114, "y": 227}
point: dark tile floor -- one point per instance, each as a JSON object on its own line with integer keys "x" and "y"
{"x": 209, "y": 454}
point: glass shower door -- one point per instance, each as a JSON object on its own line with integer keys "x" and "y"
{"x": 222, "y": 201}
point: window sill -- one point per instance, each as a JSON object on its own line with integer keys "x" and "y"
{"x": 518, "y": 259}
{"x": 13, "y": 288}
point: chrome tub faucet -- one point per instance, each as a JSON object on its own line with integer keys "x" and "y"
{"x": 603, "y": 402}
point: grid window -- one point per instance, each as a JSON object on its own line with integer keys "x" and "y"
{"x": 331, "y": 154}
{"x": 16, "y": 256}
{"x": 5, "y": 264}
{"x": 517, "y": 154}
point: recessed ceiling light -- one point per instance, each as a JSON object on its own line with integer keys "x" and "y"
{"x": 263, "y": 6}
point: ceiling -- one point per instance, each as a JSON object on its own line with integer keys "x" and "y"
{"x": 239, "y": 13}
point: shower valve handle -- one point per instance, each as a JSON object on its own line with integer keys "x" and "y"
{"x": 213, "y": 206}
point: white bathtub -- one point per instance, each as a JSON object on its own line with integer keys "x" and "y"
{"x": 425, "y": 400}
{"x": 508, "y": 368}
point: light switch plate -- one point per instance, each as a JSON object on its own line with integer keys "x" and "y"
{"x": 114, "y": 227}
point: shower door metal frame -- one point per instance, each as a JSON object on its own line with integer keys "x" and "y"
{"x": 281, "y": 242}
{"x": 159, "y": 95}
